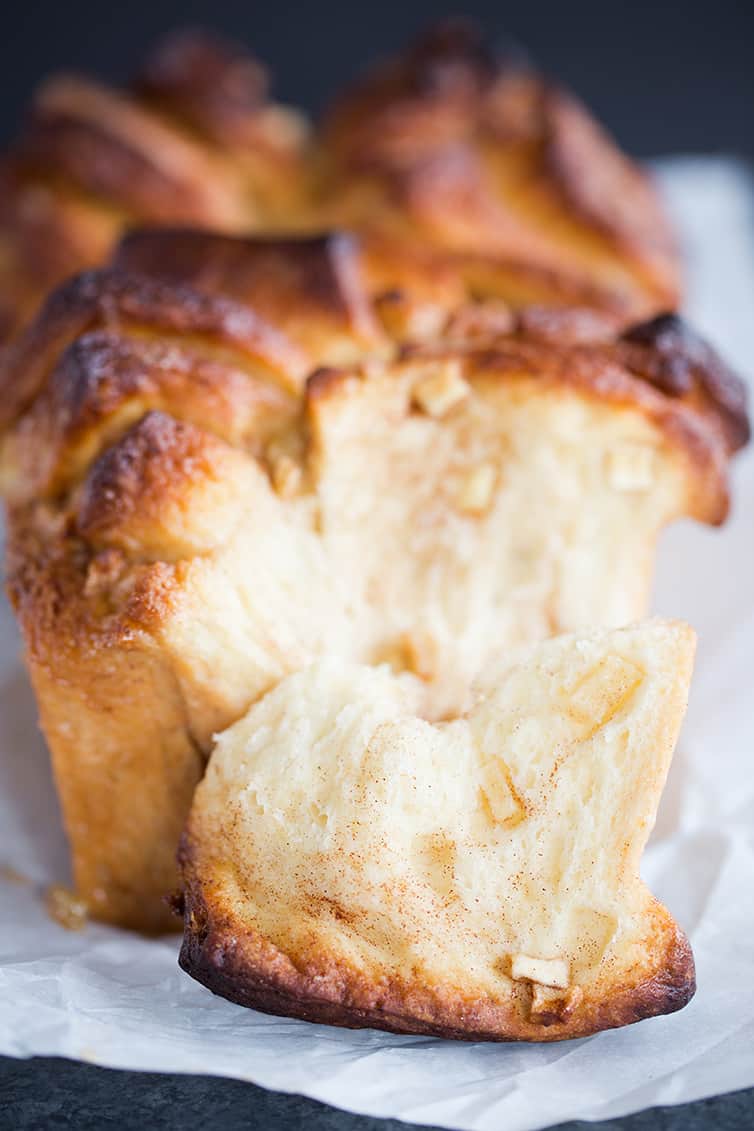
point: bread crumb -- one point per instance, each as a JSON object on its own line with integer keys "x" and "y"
{"x": 477, "y": 489}
{"x": 441, "y": 391}
{"x": 65, "y": 907}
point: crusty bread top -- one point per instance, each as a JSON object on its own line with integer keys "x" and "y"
{"x": 449, "y": 160}
{"x": 173, "y": 148}
{"x": 223, "y": 331}
{"x": 346, "y": 861}
{"x": 195, "y": 141}
{"x": 513, "y": 473}
{"x": 313, "y": 287}
{"x": 223, "y": 92}
{"x": 484, "y": 158}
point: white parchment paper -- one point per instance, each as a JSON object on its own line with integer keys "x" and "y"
{"x": 106, "y": 996}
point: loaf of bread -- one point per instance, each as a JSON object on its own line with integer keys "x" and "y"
{"x": 223, "y": 470}
{"x": 454, "y": 166}
{"x": 347, "y": 861}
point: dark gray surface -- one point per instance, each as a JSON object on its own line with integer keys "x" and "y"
{"x": 51, "y": 1093}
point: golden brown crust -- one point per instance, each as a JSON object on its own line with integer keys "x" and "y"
{"x": 222, "y": 92}
{"x": 227, "y": 327}
{"x": 245, "y": 968}
{"x": 83, "y": 656}
{"x": 111, "y": 148}
{"x": 117, "y": 299}
{"x": 487, "y": 161}
{"x": 197, "y": 142}
{"x": 432, "y": 85}
{"x": 94, "y": 359}
{"x": 211, "y": 81}
{"x": 164, "y": 492}
{"x": 314, "y": 284}
{"x": 567, "y": 326}
{"x": 471, "y": 167}
{"x": 607, "y": 189}
{"x": 104, "y": 381}
{"x": 218, "y": 330}
{"x": 670, "y": 354}
{"x": 45, "y": 236}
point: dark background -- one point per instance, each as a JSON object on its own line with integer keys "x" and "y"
{"x": 666, "y": 77}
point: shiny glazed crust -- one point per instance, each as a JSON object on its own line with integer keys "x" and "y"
{"x": 505, "y": 174}
{"x": 288, "y": 307}
{"x": 453, "y": 163}
{"x": 196, "y": 140}
{"x": 152, "y": 422}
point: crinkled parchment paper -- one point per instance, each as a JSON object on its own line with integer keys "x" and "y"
{"x": 106, "y": 996}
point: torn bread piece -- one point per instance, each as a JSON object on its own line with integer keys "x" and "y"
{"x": 346, "y": 861}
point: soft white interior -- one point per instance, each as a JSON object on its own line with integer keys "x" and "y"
{"x": 333, "y": 818}
{"x": 431, "y": 544}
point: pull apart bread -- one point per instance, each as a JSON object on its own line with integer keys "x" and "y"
{"x": 347, "y": 861}
{"x": 195, "y": 140}
{"x": 456, "y": 166}
{"x": 192, "y": 518}
{"x": 489, "y": 166}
